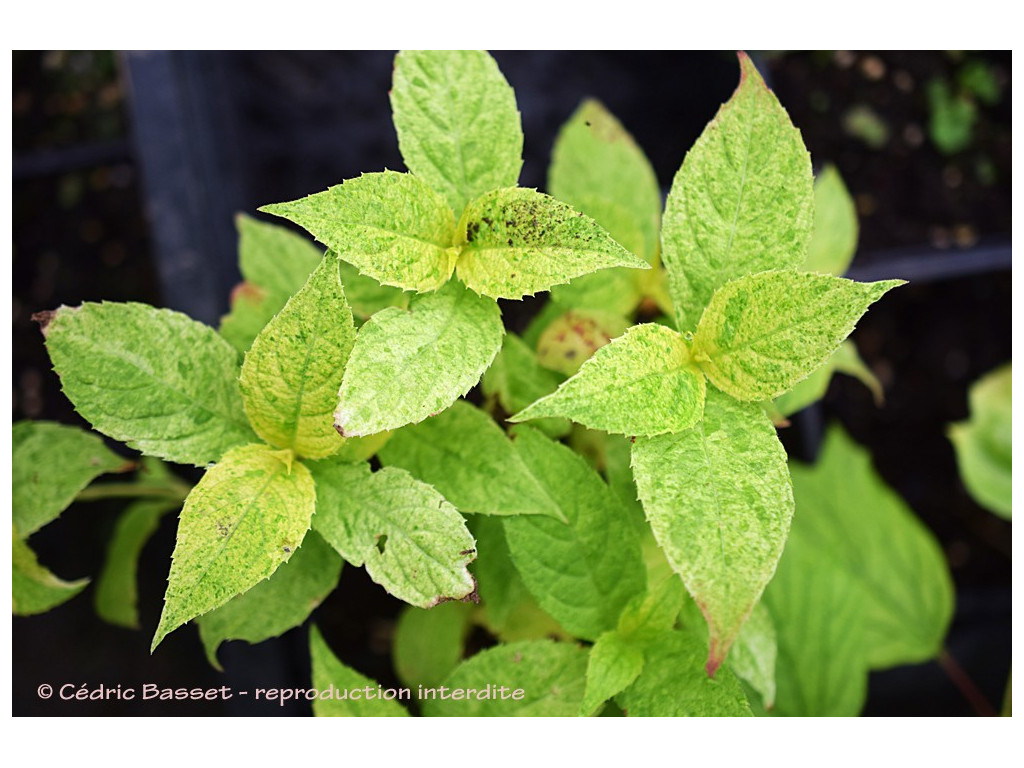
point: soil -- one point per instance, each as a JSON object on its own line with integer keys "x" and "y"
{"x": 80, "y": 233}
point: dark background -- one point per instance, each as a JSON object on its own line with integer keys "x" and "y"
{"x": 128, "y": 170}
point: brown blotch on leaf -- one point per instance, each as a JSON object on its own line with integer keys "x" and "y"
{"x": 340, "y": 430}
{"x": 44, "y": 319}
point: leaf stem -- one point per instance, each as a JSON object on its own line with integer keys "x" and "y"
{"x": 965, "y": 685}
{"x": 177, "y": 491}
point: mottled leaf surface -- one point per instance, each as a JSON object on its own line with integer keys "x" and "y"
{"x": 585, "y": 570}
{"x": 642, "y": 383}
{"x": 50, "y": 464}
{"x": 411, "y": 540}
{"x": 34, "y": 588}
{"x": 741, "y": 202}
{"x": 457, "y": 123}
{"x": 984, "y": 443}
{"x": 834, "y": 239}
{"x": 116, "y": 595}
{"x": 516, "y": 378}
{"x": 614, "y": 663}
{"x": 274, "y": 606}
{"x": 391, "y": 226}
{"x": 329, "y": 672}
{"x": 763, "y": 333}
{"x": 410, "y": 364}
{"x": 516, "y": 242}
{"x": 819, "y": 614}
{"x": 428, "y": 643}
{"x": 551, "y": 675}
{"x": 719, "y": 500}
{"x": 245, "y": 518}
{"x": 856, "y": 523}
{"x": 673, "y": 682}
{"x": 846, "y": 360}
{"x": 465, "y": 455}
{"x": 152, "y": 378}
{"x": 292, "y": 373}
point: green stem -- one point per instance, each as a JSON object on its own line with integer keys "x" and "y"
{"x": 965, "y": 685}
{"x": 178, "y": 491}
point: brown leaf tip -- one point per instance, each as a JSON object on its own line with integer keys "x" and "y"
{"x": 44, "y": 319}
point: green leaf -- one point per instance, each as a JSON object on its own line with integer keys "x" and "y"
{"x": 355, "y": 449}
{"x": 614, "y": 663}
{"x": 245, "y": 518}
{"x": 152, "y": 378}
{"x": 428, "y": 644}
{"x": 844, "y": 360}
{"x": 468, "y": 458}
{"x": 391, "y": 226}
{"x": 516, "y": 242}
{"x": 616, "y": 291}
{"x": 547, "y": 679}
{"x": 952, "y": 116}
{"x": 854, "y": 522}
{"x": 582, "y": 572}
{"x": 366, "y": 296}
{"x": 515, "y": 379}
{"x": 571, "y": 339}
{"x": 642, "y": 383}
{"x": 819, "y": 614}
{"x": 350, "y": 687}
{"x": 116, "y": 596}
{"x": 292, "y": 372}
{"x": 673, "y": 682}
{"x": 408, "y": 365}
{"x": 35, "y": 589}
{"x": 763, "y": 333}
{"x": 412, "y": 541}
{"x": 754, "y": 653}
{"x": 597, "y": 168}
{"x": 655, "y": 611}
{"x": 275, "y": 263}
{"x": 508, "y": 611}
{"x": 457, "y": 122}
{"x": 719, "y": 500}
{"x": 274, "y": 606}
{"x": 984, "y": 443}
{"x": 741, "y": 202}
{"x": 834, "y": 240}
{"x": 50, "y": 464}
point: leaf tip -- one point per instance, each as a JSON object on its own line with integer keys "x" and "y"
{"x": 44, "y": 319}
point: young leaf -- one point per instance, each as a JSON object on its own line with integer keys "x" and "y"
{"x": 274, "y": 262}
{"x": 984, "y": 444}
{"x": 534, "y": 678}
{"x": 457, "y": 122}
{"x": 274, "y": 606}
{"x": 614, "y": 663}
{"x": 584, "y": 571}
{"x": 34, "y": 588}
{"x": 642, "y": 383}
{"x": 834, "y": 240}
{"x": 245, "y": 518}
{"x": 391, "y": 226}
{"x": 598, "y": 169}
{"x": 518, "y": 241}
{"x": 655, "y": 611}
{"x": 116, "y": 587}
{"x": 329, "y": 674}
{"x": 763, "y": 333}
{"x": 572, "y": 338}
{"x": 719, "y": 500}
{"x": 428, "y": 644}
{"x": 412, "y": 541}
{"x": 854, "y": 522}
{"x": 408, "y": 365}
{"x": 741, "y": 202}
{"x": 292, "y": 372}
{"x": 50, "y": 464}
{"x": 673, "y": 682}
{"x": 468, "y": 458}
{"x": 820, "y": 617}
{"x": 152, "y": 378}
{"x": 516, "y": 379}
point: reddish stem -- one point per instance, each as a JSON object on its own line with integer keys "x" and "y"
{"x": 965, "y": 685}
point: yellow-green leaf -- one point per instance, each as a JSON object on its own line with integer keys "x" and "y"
{"x": 834, "y": 240}
{"x": 245, "y": 518}
{"x": 35, "y": 589}
{"x": 343, "y": 691}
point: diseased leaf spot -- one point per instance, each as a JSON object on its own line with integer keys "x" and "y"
{"x": 381, "y": 542}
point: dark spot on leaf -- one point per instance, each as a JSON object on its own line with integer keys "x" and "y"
{"x": 382, "y": 540}
{"x": 570, "y": 354}
{"x": 287, "y": 549}
{"x": 510, "y": 242}
{"x": 586, "y": 123}
{"x": 486, "y": 221}
{"x": 340, "y": 430}
{"x": 467, "y": 552}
